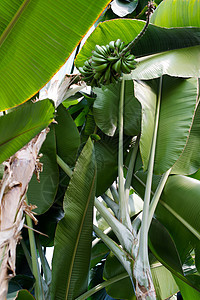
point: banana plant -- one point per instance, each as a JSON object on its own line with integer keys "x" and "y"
{"x": 169, "y": 105}
{"x": 136, "y": 133}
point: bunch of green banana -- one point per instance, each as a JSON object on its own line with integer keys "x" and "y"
{"x": 107, "y": 64}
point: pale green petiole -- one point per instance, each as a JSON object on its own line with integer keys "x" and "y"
{"x": 123, "y": 234}
{"x": 142, "y": 267}
{"x": 64, "y": 166}
{"x": 128, "y": 180}
{"x": 35, "y": 266}
{"x": 123, "y": 204}
{"x": 157, "y": 195}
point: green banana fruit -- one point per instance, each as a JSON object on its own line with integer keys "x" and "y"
{"x": 107, "y": 75}
{"x": 107, "y": 63}
{"x": 99, "y": 50}
{"x": 112, "y": 45}
{"x": 117, "y": 66}
{"x": 125, "y": 68}
{"x": 98, "y": 60}
{"x": 95, "y": 54}
{"x": 121, "y": 46}
{"x": 131, "y": 65}
{"x": 117, "y": 43}
{"x": 100, "y": 68}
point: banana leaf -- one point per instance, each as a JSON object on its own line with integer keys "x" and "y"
{"x": 36, "y": 38}
{"x": 189, "y": 161}
{"x": 67, "y": 136}
{"x": 178, "y": 101}
{"x": 177, "y": 13}
{"x": 106, "y": 109}
{"x": 177, "y": 211}
{"x": 181, "y": 63}
{"x": 73, "y": 237}
{"x": 22, "y": 124}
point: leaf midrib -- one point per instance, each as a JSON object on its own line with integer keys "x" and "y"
{"x": 13, "y": 21}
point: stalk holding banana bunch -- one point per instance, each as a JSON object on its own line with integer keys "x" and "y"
{"x": 107, "y": 63}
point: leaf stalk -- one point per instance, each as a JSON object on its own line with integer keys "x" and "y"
{"x": 35, "y": 266}
{"x": 142, "y": 270}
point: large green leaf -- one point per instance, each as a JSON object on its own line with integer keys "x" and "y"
{"x": 177, "y": 13}
{"x": 178, "y": 210}
{"x": 162, "y": 244}
{"x": 155, "y": 40}
{"x": 106, "y": 109}
{"x": 22, "y": 124}
{"x": 74, "y": 232}
{"x": 178, "y": 101}
{"x": 67, "y": 136}
{"x": 181, "y": 63}
{"x": 42, "y": 193}
{"x": 36, "y": 37}
{"x": 189, "y": 161}
{"x": 176, "y": 115}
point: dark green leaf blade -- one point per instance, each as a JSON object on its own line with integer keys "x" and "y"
{"x": 189, "y": 161}
{"x": 42, "y": 193}
{"x": 106, "y": 158}
{"x": 67, "y": 136}
{"x": 21, "y": 125}
{"x": 74, "y": 232}
{"x": 162, "y": 245}
{"x": 122, "y": 289}
{"x": 36, "y": 39}
{"x": 24, "y": 295}
{"x": 106, "y": 109}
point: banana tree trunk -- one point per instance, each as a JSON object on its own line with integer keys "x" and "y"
{"x": 18, "y": 172}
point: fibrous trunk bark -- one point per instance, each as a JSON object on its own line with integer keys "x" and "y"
{"x": 14, "y": 184}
